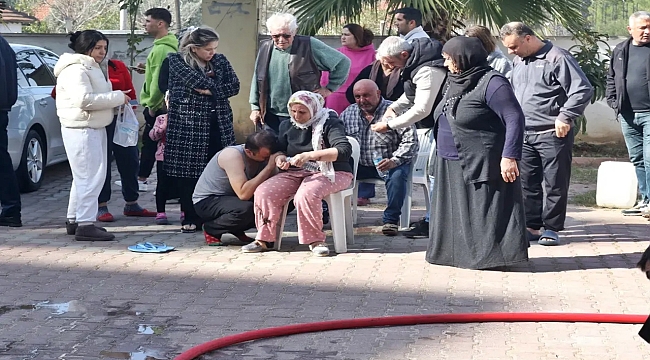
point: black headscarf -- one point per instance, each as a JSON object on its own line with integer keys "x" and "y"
{"x": 470, "y": 57}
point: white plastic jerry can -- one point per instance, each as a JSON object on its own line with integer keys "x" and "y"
{"x": 617, "y": 185}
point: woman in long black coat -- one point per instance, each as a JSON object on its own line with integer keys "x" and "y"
{"x": 477, "y": 218}
{"x": 200, "y": 121}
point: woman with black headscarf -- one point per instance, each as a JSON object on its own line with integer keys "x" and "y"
{"x": 478, "y": 213}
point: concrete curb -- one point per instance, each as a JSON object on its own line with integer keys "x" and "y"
{"x": 587, "y": 160}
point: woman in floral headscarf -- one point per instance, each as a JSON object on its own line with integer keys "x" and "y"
{"x": 315, "y": 164}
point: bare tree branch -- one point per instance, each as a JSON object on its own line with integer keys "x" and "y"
{"x": 74, "y": 14}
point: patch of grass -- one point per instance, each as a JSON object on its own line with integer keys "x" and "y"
{"x": 585, "y": 199}
{"x": 584, "y": 175}
{"x": 613, "y": 150}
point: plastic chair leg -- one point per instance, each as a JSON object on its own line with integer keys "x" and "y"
{"x": 337, "y": 214}
{"x": 353, "y": 201}
{"x": 427, "y": 200}
{"x": 280, "y": 227}
{"x": 405, "y": 217}
{"x": 349, "y": 226}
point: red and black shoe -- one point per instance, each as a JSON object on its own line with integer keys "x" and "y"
{"x": 212, "y": 240}
{"x": 137, "y": 211}
{"x": 105, "y": 217}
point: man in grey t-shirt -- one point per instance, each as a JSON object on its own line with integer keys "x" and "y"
{"x": 223, "y": 196}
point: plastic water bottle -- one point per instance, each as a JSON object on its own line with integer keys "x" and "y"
{"x": 376, "y": 159}
{"x": 309, "y": 165}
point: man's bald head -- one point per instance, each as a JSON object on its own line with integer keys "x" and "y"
{"x": 365, "y": 84}
{"x": 367, "y": 95}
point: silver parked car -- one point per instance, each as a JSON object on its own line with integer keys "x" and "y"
{"x": 34, "y": 129}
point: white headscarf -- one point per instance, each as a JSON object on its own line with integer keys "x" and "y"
{"x": 319, "y": 114}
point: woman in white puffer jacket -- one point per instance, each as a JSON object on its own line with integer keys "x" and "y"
{"x": 84, "y": 103}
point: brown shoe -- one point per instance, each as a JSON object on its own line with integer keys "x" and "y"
{"x": 92, "y": 233}
{"x": 390, "y": 229}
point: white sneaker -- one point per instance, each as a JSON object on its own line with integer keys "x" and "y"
{"x": 320, "y": 249}
{"x": 142, "y": 185}
{"x": 636, "y": 210}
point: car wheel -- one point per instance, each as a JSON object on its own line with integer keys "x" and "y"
{"x": 30, "y": 170}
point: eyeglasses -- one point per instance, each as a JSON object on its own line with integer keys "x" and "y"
{"x": 284, "y": 36}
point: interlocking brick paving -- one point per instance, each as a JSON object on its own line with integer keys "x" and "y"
{"x": 61, "y": 299}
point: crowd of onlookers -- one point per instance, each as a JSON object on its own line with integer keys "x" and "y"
{"x": 501, "y": 132}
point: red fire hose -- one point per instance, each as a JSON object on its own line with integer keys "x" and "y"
{"x": 405, "y": 321}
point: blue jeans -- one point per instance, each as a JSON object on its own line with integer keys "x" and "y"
{"x": 128, "y": 166}
{"x": 636, "y": 131}
{"x": 9, "y": 194}
{"x": 395, "y": 189}
{"x": 366, "y": 190}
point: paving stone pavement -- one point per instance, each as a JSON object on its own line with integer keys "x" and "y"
{"x": 61, "y": 299}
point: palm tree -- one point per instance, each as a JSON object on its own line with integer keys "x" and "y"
{"x": 441, "y": 17}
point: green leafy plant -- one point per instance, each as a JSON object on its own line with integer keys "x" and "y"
{"x": 38, "y": 27}
{"x": 595, "y": 64}
{"x": 443, "y": 16}
{"x": 132, "y": 7}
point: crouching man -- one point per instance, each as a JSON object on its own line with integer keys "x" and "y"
{"x": 396, "y": 147}
{"x": 223, "y": 196}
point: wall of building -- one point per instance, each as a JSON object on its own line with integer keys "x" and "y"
{"x": 58, "y": 43}
{"x": 239, "y": 42}
{"x": 8, "y": 28}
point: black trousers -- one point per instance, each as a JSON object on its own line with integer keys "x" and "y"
{"x": 546, "y": 159}
{"x": 9, "y": 193}
{"x": 163, "y": 187}
{"x": 225, "y": 214}
{"x": 127, "y": 162}
{"x": 185, "y": 188}
{"x": 148, "y": 150}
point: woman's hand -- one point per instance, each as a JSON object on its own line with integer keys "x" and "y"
{"x": 126, "y": 98}
{"x": 300, "y": 159}
{"x": 272, "y": 162}
{"x": 281, "y": 162}
{"x": 509, "y": 169}
{"x": 139, "y": 68}
{"x": 204, "y": 92}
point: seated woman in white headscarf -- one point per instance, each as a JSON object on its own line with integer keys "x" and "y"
{"x": 315, "y": 164}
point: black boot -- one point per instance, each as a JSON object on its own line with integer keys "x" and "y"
{"x": 420, "y": 229}
{"x": 71, "y": 228}
{"x": 92, "y": 233}
{"x": 11, "y": 221}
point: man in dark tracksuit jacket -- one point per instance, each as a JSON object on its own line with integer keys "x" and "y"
{"x": 9, "y": 194}
{"x": 628, "y": 93}
{"x": 553, "y": 91}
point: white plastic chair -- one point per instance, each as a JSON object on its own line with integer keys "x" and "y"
{"x": 340, "y": 208}
{"x": 418, "y": 176}
{"x": 419, "y": 173}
